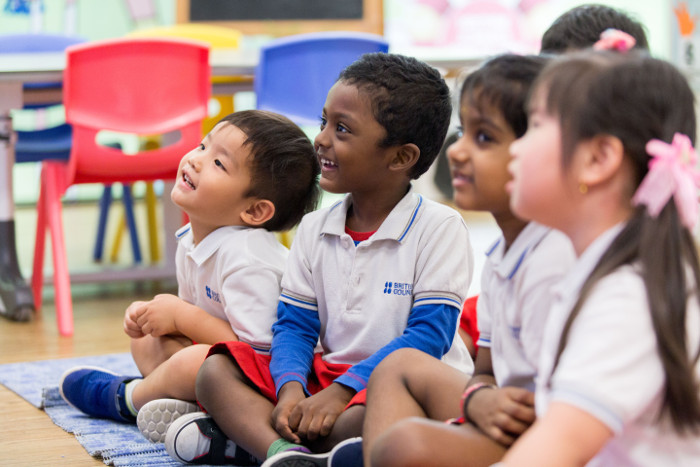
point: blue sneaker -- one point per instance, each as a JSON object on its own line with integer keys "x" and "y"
{"x": 347, "y": 453}
{"x": 97, "y": 392}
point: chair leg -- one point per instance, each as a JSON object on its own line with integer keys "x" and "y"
{"x": 39, "y": 248}
{"x": 153, "y": 243}
{"x": 61, "y": 277}
{"x": 119, "y": 234}
{"x": 105, "y": 201}
{"x": 131, "y": 222}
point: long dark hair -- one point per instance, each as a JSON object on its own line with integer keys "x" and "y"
{"x": 637, "y": 98}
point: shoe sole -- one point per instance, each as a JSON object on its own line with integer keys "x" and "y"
{"x": 297, "y": 459}
{"x": 155, "y": 417}
{"x": 74, "y": 369}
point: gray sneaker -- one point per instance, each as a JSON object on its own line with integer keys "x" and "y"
{"x": 156, "y": 416}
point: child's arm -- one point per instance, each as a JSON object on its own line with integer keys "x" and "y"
{"x": 430, "y": 328}
{"x": 564, "y": 436}
{"x": 295, "y": 334}
{"x": 501, "y": 413}
{"x": 315, "y": 416}
{"x": 168, "y": 314}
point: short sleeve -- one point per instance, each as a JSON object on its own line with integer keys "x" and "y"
{"x": 610, "y": 366}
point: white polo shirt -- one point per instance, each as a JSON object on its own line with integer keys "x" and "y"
{"x": 421, "y": 254}
{"x": 516, "y": 298}
{"x": 234, "y": 273}
{"x": 610, "y": 367}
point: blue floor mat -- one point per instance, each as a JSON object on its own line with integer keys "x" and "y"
{"x": 115, "y": 443}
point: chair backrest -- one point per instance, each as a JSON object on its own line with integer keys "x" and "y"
{"x": 295, "y": 72}
{"x": 139, "y": 86}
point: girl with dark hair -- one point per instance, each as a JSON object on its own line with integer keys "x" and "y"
{"x": 607, "y": 159}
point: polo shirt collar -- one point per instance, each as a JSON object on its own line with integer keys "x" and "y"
{"x": 573, "y": 281}
{"x": 209, "y": 245}
{"x": 505, "y": 266}
{"x": 395, "y": 227}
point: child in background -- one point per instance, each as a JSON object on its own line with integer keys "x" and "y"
{"x": 581, "y": 27}
{"x": 607, "y": 159}
{"x": 383, "y": 269}
{"x": 254, "y": 173}
{"x": 515, "y": 298}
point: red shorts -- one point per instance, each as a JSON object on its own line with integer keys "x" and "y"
{"x": 468, "y": 319}
{"x": 257, "y": 368}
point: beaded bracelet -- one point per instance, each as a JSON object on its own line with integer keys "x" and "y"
{"x": 469, "y": 393}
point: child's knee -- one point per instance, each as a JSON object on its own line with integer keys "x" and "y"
{"x": 398, "y": 365}
{"x": 212, "y": 375}
{"x": 402, "y": 445}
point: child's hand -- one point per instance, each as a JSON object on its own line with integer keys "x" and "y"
{"x": 503, "y": 414}
{"x": 316, "y": 415}
{"x": 131, "y": 327}
{"x": 157, "y": 317}
{"x": 289, "y": 396}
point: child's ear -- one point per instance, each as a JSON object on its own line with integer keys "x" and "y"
{"x": 405, "y": 157}
{"x": 604, "y": 156}
{"x": 259, "y": 212}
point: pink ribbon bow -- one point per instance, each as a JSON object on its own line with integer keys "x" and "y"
{"x": 614, "y": 39}
{"x": 672, "y": 173}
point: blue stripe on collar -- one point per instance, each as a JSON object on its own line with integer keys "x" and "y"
{"x": 493, "y": 247}
{"x": 413, "y": 218}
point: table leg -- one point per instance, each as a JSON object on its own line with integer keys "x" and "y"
{"x": 16, "y": 301}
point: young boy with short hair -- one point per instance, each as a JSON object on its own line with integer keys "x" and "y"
{"x": 381, "y": 270}
{"x": 254, "y": 173}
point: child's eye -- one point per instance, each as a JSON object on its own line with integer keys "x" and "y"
{"x": 460, "y": 131}
{"x": 323, "y": 122}
{"x": 483, "y": 137}
{"x": 201, "y": 146}
{"x": 219, "y": 164}
{"x": 342, "y": 129}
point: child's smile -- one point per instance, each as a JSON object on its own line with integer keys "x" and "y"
{"x": 187, "y": 180}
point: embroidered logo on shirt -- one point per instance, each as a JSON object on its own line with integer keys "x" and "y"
{"x": 212, "y": 294}
{"x": 398, "y": 288}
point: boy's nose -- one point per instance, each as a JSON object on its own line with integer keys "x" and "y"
{"x": 321, "y": 139}
{"x": 195, "y": 161}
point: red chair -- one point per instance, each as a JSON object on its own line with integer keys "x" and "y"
{"x": 138, "y": 86}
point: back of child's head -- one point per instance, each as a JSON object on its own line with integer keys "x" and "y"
{"x": 581, "y": 27}
{"x": 636, "y": 98}
{"x": 503, "y": 83}
{"x": 284, "y": 168}
{"x": 409, "y": 98}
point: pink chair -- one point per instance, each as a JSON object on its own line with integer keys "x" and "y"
{"x": 139, "y": 86}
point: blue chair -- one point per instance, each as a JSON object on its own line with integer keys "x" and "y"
{"x": 295, "y": 73}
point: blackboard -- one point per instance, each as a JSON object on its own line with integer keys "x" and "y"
{"x": 284, "y": 17}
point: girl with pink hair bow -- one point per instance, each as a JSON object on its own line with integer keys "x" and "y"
{"x": 608, "y": 160}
